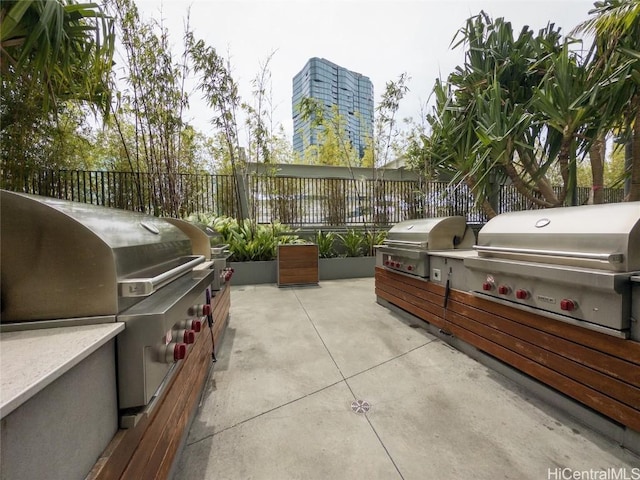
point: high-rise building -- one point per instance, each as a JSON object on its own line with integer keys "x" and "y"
{"x": 331, "y": 84}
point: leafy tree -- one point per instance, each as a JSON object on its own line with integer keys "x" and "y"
{"x": 153, "y": 102}
{"x": 55, "y": 57}
{"x": 60, "y": 49}
{"x": 386, "y": 110}
{"x": 616, "y": 26}
{"x": 512, "y": 111}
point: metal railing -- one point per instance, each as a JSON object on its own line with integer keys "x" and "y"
{"x": 289, "y": 200}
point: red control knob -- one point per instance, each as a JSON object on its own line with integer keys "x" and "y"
{"x": 504, "y": 289}
{"x": 568, "y": 305}
{"x": 486, "y": 286}
{"x": 179, "y": 351}
{"x": 196, "y": 325}
{"x": 228, "y": 273}
{"x": 200, "y": 310}
{"x": 522, "y": 294}
{"x": 409, "y": 267}
{"x": 189, "y": 337}
{"x": 387, "y": 263}
{"x": 186, "y": 336}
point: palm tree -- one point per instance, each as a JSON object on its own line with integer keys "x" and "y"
{"x": 511, "y": 113}
{"x": 616, "y": 26}
{"x": 61, "y": 49}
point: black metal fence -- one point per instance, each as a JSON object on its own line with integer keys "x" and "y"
{"x": 289, "y": 200}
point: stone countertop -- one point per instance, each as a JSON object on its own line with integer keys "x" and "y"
{"x": 32, "y": 359}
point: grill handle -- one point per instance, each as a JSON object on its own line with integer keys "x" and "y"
{"x": 403, "y": 243}
{"x": 603, "y": 257}
{"x": 143, "y": 287}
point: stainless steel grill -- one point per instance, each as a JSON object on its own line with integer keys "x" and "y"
{"x": 408, "y": 243}
{"x": 66, "y": 264}
{"x": 207, "y": 242}
{"x": 573, "y": 264}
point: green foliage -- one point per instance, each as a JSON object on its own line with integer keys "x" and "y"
{"x": 386, "y": 131}
{"x": 58, "y": 50}
{"x": 55, "y": 59}
{"x": 333, "y": 146}
{"x": 373, "y": 238}
{"x": 247, "y": 240}
{"x": 325, "y": 242}
{"x": 354, "y": 243}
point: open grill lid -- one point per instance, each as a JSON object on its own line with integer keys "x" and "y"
{"x": 204, "y": 239}
{"x": 63, "y": 259}
{"x": 605, "y": 237}
{"x": 443, "y": 233}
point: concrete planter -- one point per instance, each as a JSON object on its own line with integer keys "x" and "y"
{"x": 347, "y": 267}
{"x": 252, "y": 273}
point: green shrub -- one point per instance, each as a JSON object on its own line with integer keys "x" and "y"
{"x": 249, "y": 241}
{"x": 353, "y": 243}
{"x": 325, "y": 242}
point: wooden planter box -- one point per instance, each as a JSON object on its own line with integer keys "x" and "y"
{"x": 297, "y": 265}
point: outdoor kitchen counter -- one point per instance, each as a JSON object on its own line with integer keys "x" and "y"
{"x": 30, "y": 360}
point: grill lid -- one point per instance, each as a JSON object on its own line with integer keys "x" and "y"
{"x": 63, "y": 259}
{"x": 443, "y": 233}
{"x": 605, "y": 237}
{"x": 204, "y": 239}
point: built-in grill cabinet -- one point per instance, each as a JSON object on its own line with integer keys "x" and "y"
{"x": 67, "y": 263}
{"x": 407, "y": 246}
{"x": 572, "y": 264}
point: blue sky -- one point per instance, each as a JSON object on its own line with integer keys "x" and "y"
{"x": 379, "y": 39}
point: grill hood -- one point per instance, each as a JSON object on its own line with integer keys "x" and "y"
{"x": 64, "y": 259}
{"x": 603, "y": 237}
{"x": 443, "y": 233}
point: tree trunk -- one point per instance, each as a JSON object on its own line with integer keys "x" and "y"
{"x": 596, "y": 156}
{"x": 634, "y": 191}
{"x": 486, "y": 205}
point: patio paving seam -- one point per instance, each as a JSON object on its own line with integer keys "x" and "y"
{"x": 395, "y": 465}
{"x": 435, "y": 340}
{"x": 264, "y": 413}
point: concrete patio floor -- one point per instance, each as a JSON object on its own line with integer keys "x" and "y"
{"x": 278, "y": 403}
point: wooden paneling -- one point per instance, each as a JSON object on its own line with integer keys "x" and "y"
{"x": 598, "y": 370}
{"x": 297, "y": 264}
{"x": 149, "y": 449}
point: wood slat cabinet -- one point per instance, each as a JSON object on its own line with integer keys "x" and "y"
{"x": 598, "y": 370}
{"x": 298, "y": 265}
{"x": 150, "y": 449}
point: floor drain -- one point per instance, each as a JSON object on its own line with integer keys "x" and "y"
{"x": 360, "y": 406}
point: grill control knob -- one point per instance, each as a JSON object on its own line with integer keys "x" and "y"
{"x": 504, "y": 290}
{"x": 186, "y": 336}
{"x": 387, "y": 263}
{"x": 200, "y": 310}
{"x": 228, "y": 273}
{"x": 179, "y": 351}
{"x": 522, "y": 294}
{"x": 410, "y": 267}
{"x": 189, "y": 324}
{"x": 568, "y": 305}
{"x": 486, "y": 286}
